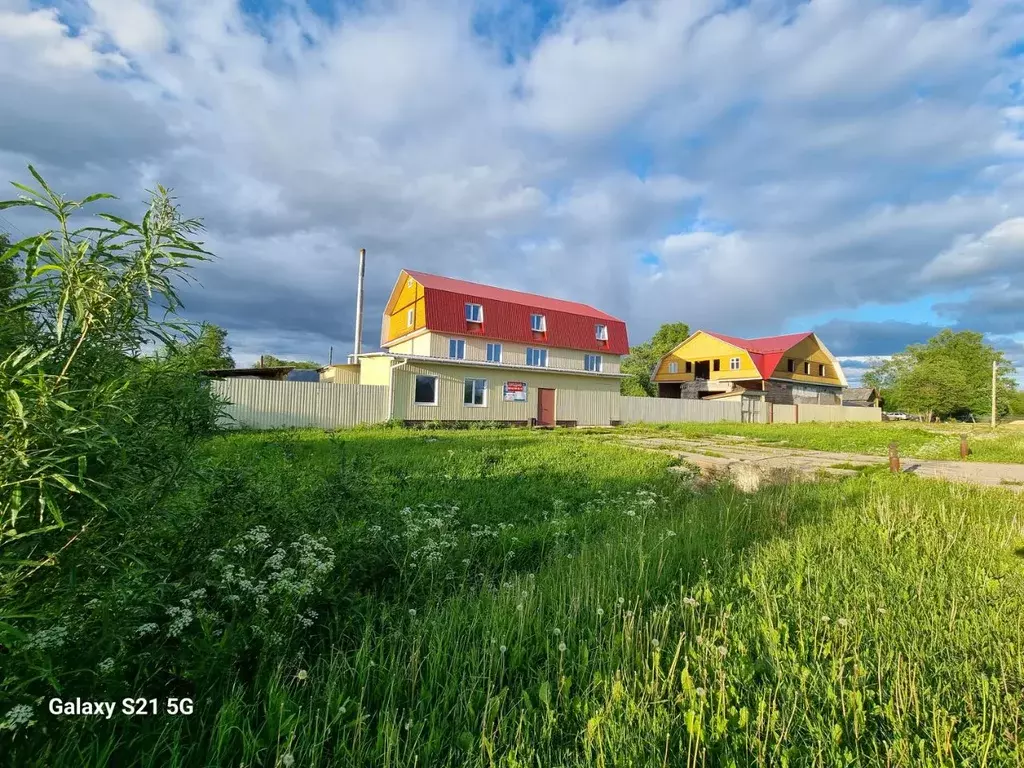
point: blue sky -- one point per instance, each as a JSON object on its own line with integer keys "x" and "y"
{"x": 854, "y": 167}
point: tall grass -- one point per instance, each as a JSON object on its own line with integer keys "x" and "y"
{"x": 512, "y": 599}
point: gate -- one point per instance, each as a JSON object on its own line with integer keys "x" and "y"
{"x": 751, "y": 410}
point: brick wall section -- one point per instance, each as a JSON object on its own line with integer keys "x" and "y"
{"x": 786, "y": 393}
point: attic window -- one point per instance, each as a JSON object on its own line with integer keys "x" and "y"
{"x": 821, "y": 369}
{"x": 734, "y": 363}
{"x": 410, "y": 317}
{"x": 689, "y": 366}
{"x": 718, "y": 365}
{"x": 673, "y": 367}
{"x": 790, "y": 366}
{"x": 807, "y": 369}
{"x": 474, "y": 313}
{"x": 601, "y": 332}
{"x": 537, "y": 324}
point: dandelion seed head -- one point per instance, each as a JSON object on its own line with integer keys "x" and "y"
{"x": 412, "y": 612}
{"x": 561, "y": 647}
{"x": 301, "y": 675}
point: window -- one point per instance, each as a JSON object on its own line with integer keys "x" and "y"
{"x": 537, "y": 323}
{"x": 790, "y": 366}
{"x": 457, "y": 349}
{"x": 592, "y": 363}
{"x": 673, "y": 367}
{"x": 734, "y": 363}
{"x": 821, "y": 369}
{"x": 601, "y": 332}
{"x": 475, "y": 392}
{"x": 807, "y": 369}
{"x": 426, "y": 390}
{"x": 474, "y": 313}
{"x": 689, "y": 366}
{"x": 410, "y": 317}
{"x": 494, "y": 353}
{"x": 718, "y": 365}
{"x": 537, "y": 357}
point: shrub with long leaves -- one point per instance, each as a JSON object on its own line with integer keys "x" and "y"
{"x": 73, "y": 377}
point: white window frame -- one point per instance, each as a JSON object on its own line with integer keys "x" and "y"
{"x": 673, "y": 367}
{"x": 415, "y": 381}
{"x": 483, "y": 390}
{"x": 494, "y": 346}
{"x": 540, "y": 353}
{"x": 601, "y": 332}
{"x": 734, "y": 363}
{"x": 593, "y": 363}
{"x": 476, "y": 316}
{"x": 410, "y": 317}
{"x": 538, "y": 323}
{"x": 456, "y": 346}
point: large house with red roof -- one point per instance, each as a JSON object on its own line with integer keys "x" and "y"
{"x": 461, "y": 351}
{"x": 795, "y": 369}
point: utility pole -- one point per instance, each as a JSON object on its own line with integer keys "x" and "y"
{"x": 330, "y": 356}
{"x": 995, "y": 369}
{"x": 359, "y": 303}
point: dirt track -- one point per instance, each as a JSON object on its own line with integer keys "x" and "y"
{"x": 750, "y": 462}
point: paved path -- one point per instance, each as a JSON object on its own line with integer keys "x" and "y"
{"x": 750, "y": 462}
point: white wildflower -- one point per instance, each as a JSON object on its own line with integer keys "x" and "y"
{"x": 842, "y": 622}
{"x": 106, "y": 666}
{"x": 561, "y": 647}
{"x": 722, "y": 651}
{"x": 701, "y": 692}
{"x": 145, "y": 629}
{"x": 17, "y": 716}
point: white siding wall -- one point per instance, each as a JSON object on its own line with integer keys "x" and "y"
{"x": 270, "y": 404}
{"x": 784, "y": 414}
{"x": 587, "y": 400}
{"x": 511, "y": 353}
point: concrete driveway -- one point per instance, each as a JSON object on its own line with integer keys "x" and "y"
{"x": 749, "y": 463}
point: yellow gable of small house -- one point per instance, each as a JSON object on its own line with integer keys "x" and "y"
{"x": 405, "y": 312}
{"x": 812, "y": 363}
{"x": 699, "y": 354}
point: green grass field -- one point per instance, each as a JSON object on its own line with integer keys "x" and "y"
{"x": 933, "y": 441}
{"x": 512, "y": 598}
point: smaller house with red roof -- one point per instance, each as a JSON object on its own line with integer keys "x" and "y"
{"x": 795, "y": 369}
{"x": 455, "y": 350}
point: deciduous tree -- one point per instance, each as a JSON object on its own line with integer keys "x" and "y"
{"x": 642, "y": 358}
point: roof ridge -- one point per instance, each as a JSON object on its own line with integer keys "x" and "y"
{"x": 591, "y": 310}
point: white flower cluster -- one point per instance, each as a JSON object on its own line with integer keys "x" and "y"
{"x": 46, "y": 639}
{"x": 18, "y": 716}
{"x": 255, "y": 573}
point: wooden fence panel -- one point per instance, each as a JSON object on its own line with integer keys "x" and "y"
{"x": 257, "y": 404}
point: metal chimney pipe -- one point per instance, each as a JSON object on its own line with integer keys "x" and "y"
{"x": 359, "y": 302}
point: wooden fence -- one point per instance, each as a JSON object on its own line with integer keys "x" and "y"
{"x": 256, "y": 404}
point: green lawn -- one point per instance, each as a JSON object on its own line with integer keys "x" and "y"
{"x": 513, "y": 598}
{"x": 938, "y": 441}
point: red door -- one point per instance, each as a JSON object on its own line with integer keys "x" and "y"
{"x": 546, "y": 407}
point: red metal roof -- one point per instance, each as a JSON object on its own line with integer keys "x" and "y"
{"x": 767, "y": 351}
{"x": 569, "y": 324}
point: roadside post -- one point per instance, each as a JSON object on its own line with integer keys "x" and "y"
{"x": 894, "y": 458}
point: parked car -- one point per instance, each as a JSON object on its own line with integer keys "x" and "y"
{"x": 897, "y": 416}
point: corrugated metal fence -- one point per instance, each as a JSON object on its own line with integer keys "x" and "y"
{"x": 655, "y": 410}
{"x": 257, "y": 404}
{"x": 837, "y": 413}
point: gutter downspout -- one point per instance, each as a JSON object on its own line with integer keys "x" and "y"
{"x": 391, "y": 388}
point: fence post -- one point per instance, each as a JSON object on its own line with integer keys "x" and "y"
{"x": 894, "y": 458}
{"x": 796, "y": 413}
{"x": 964, "y": 448}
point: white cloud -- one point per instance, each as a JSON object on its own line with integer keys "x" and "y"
{"x": 1000, "y": 249}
